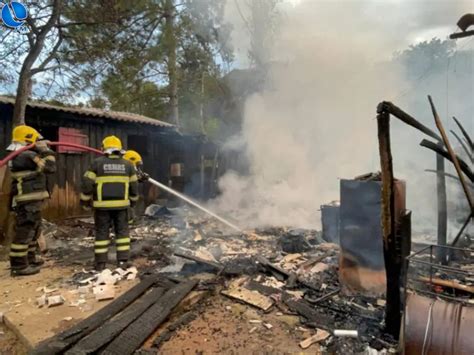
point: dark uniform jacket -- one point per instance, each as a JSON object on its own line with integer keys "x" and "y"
{"x": 111, "y": 183}
{"x": 28, "y": 171}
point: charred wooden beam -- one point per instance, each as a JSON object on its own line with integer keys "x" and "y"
{"x": 464, "y": 132}
{"x": 390, "y": 108}
{"x": 196, "y": 259}
{"x": 64, "y": 340}
{"x": 461, "y": 34}
{"x": 392, "y": 266}
{"x": 434, "y": 147}
{"x": 107, "y": 332}
{"x": 453, "y": 156}
{"x": 314, "y": 316}
{"x": 281, "y": 274}
{"x": 136, "y": 333}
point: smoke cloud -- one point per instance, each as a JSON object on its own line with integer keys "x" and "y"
{"x": 314, "y": 123}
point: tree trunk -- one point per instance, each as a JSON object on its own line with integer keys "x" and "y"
{"x": 24, "y": 81}
{"x": 23, "y": 91}
{"x": 201, "y": 106}
{"x": 170, "y": 39}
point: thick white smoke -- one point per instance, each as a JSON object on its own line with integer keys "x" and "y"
{"x": 315, "y": 122}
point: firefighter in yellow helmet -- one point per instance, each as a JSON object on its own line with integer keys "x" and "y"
{"x": 29, "y": 189}
{"x": 137, "y": 161}
{"x": 110, "y": 186}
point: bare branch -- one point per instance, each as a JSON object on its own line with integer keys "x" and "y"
{"x": 42, "y": 67}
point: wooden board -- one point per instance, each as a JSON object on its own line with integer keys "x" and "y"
{"x": 64, "y": 340}
{"x": 316, "y": 338}
{"x": 107, "y": 332}
{"x": 136, "y": 333}
{"x": 250, "y": 297}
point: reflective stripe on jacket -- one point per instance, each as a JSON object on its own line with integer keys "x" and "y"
{"x": 110, "y": 182}
{"x": 28, "y": 171}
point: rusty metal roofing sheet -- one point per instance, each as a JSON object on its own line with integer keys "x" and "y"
{"x": 94, "y": 112}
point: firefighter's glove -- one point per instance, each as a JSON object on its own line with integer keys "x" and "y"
{"x": 86, "y": 205}
{"x": 142, "y": 177}
{"x": 42, "y": 146}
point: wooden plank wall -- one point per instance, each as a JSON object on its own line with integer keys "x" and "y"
{"x": 163, "y": 147}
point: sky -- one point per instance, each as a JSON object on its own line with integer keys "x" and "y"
{"x": 401, "y": 22}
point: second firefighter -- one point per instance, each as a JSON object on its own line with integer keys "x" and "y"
{"x": 110, "y": 186}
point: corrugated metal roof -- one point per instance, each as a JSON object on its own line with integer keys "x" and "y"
{"x": 94, "y": 112}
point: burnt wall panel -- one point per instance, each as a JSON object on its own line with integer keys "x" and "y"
{"x": 360, "y": 227}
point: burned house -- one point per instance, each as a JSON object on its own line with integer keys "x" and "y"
{"x": 184, "y": 161}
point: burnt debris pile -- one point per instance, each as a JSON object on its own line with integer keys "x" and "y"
{"x": 272, "y": 270}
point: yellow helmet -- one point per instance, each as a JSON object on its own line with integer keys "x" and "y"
{"x": 133, "y": 157}
{"x": 111, "y": 143}
{"x": 25, "y": 134}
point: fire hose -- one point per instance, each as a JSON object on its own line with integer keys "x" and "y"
{"x": 152, "y": 181}
{"x": 64, "y": 144}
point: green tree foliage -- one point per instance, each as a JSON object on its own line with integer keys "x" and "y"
{"x": 131, "y": 65}
{"x": 426, "y": 55}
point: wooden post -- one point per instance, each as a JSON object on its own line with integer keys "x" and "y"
{"x": 453, "y": 156}
{"x": 442, "y": 206}
{"x": 391, "y": 257}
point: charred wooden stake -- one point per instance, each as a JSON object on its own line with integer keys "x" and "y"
{"x": 454, "y": 158}
{"x": 442, "y": 207}
{"x": 464, "y": 146}
{"x": 392, "y": 267}
{"x": 466, "y": 136}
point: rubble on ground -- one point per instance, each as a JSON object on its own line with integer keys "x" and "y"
{"x": 277, "y": 270}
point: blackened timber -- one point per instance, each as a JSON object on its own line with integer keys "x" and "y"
{"x": 465, "y": 134}
{"x": 196, "y": 259}
{"x": 267, "y": 290}
{"x": 136, "y": 333}
{"x": 461, "y": 34}
{"x": 434, "y": 147}
{"x": 453, "y": 156}
{"x": 64, "y": 340}
{"x": 267, "y": 264}
{"x": 390, "y": 108}
{"x": 392, "y": 268}
{"x": 442, "y": 207}
{"x": 107, "y": 332}
{"x": 280, "y": 273}
{"x": 313, "y": 315}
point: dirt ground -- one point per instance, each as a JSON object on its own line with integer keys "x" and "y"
{"x": 32, "y": 324}
{"x": 9, "y": 343}
{"x": 227, "y": 327}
